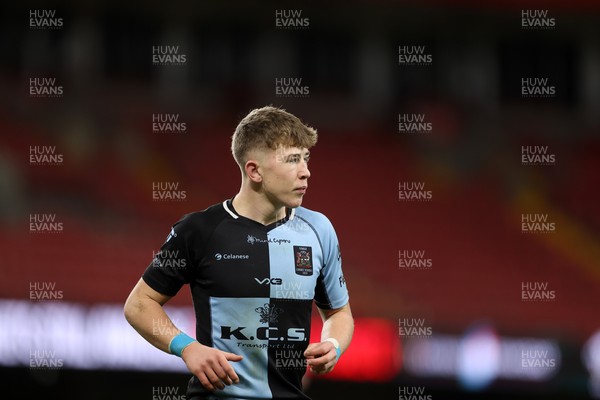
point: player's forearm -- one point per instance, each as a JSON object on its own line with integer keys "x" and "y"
{"x": 149, "y": 319}
{"x": 340, "y": 326}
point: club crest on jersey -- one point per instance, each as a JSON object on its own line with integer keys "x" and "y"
{"x": 268, "y": 313}
{"x": 303, "y": 260}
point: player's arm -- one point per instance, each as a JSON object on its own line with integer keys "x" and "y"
{"x": 338, "y": 325}
{"x": 144, "y": 310}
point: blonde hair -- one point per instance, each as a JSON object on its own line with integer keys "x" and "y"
{"x": 267, "y": 128}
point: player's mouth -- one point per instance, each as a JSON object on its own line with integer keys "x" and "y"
{"x": 301, "y": 189}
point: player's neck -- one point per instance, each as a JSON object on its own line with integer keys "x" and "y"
{"x": 256, "y": 207}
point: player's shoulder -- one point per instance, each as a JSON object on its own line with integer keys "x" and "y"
{"x": 315, "y": 218}
{"x": 202, "y": 220}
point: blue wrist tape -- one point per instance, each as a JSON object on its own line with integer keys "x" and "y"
{"x": 338, "y": 352}
{"x": 336, "y": 346}
{"x": 180, "y": 342}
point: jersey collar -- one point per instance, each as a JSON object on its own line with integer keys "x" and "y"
{"x": 290, "y": 213}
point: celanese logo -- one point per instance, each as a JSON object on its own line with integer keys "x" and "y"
{"x": 229, "y": 256}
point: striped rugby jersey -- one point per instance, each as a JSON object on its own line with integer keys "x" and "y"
{"x": 252, "y": 286}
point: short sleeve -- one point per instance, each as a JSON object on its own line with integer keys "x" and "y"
{"x": 171, "y": 267}
{"x": 331, "y": 292}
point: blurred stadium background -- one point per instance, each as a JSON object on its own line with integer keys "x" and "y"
{"x": 83, "y": 154}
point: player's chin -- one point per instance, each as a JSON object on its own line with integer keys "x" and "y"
{"x": 294, "y": 202}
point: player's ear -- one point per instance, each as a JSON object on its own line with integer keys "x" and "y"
{"x": 251, "y": 168}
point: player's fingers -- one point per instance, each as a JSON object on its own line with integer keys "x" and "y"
{"x": 205, "y": 382}
{"x": 228, "y": 369}
{"x": 214, "y": 379}
{"x": 322, "y": 369}
{"x": 318, "y": 349}
{"x": 314, "y": 349}
{"x": 323, "y": 359}
{"x": 232, "y": 357}
{"x": 221, "y": 374}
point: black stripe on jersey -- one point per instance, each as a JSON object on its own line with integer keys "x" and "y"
{"x": 288, "y": 338}
{"x": 323, "y": 301}
{"x": 192, "y": 232}
{"x": 202, "y": 307}
{"x": 236, "y": 261}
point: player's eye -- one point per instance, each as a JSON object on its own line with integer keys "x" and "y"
{"x": 293, "y": 158}
{"x": 306, "y": 159}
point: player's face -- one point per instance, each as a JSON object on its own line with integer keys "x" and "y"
{"x": 285, "y": 175}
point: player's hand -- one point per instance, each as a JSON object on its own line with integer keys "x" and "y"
{"x": 321, "y": 357}
{"x": 211, "y": 366}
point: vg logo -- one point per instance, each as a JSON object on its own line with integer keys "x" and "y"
{"x": 269, "y": 281}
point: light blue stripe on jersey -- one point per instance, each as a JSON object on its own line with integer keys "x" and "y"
{"x": 235, "y": 313}
{"x": 285, "y": 282}
{"x": 311, "y": 221}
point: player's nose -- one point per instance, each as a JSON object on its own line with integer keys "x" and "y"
{"x": 304, "y": 172}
